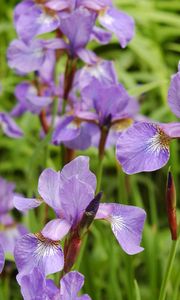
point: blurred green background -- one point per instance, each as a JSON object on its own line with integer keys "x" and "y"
{"x": 145, "y": 68}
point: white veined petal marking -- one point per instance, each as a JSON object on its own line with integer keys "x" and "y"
{"x": 45, "y": 19}
{"x": 160, "y": 141}
{"x": 117, "y": 223}
{"x": 109, "y": 20}
{"x": 45, "y": 247}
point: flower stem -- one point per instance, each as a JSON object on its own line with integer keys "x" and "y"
{"x": 168, "y": 270}
{"x": 101, "y": 151}
{"x": 69, "y": 73}
{"x": 43, "y": 120}
{"x": 99, "y": 174}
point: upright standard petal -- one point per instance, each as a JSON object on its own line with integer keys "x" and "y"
{"x": 2, "y": 259}
{"x": 34, "y": 250}
{"x": 75, "y": 196}
{"x": 48, "y": 188}
{"x": 70, "y": 285}
{"x": 106, "y": 100}
{"x": 79, "y": 33}
{"x": 143, "y": 147}
{"x": 79, "y": 167}
{"x": 174, "y": 94}
{"x": 35, "y": 286}
{"x": 120, "y": 23}
{"x": 127, "y": 224}
{"x": 46, "y": 72}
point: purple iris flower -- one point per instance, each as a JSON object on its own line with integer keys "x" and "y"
{"x": 29, "y": 100}
{"x": 104, "y": 103}
{"x": 32, "y": 56}
{"x": 103, "y": 71}
{"x": 73, "y": 134}
{"x": 112, "y": 19}
{"x": 36, "y": 286}
{"x": 10, "y": 231}
{"x": 70, "y": 285}
{"x": 145, "y": 145}
{"x": 79, "y": 34}
{"x": 119, "y": 23}
{"x": 70, "y": 194}
{"x": 32, "y": 18}
{"x": 9, "y": 127}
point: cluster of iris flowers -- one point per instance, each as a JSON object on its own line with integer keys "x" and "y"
{"x": 81, "y": 108}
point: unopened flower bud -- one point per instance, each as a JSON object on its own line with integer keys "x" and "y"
{"x": 89, "y": 214}
{"x": 171, "y": 205}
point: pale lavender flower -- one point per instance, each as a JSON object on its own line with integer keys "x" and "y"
{"x": 70, "y": 285}
{"x": 70, "y": 193}
{"x": 32, "y": 18}
{"x": 104, "y": 71}
{"x": 36, "y": 286}
{"x": 116, "y": 21}
{"x": 104, "y": 103}
{"x": 31, "y": 56}
{"x": 119, "y": 23}
{"x": 145, "y": 145}
{"x": 73, "y": 134}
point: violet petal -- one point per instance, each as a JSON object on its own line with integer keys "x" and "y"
{"x": 127, "y": 224}
{"x": 142, "y": 147}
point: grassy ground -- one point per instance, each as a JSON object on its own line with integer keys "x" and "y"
{"x": 144, "y": 67}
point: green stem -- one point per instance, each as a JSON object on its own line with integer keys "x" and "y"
{"x": 101, "y": 151}
{"x": 54, "y": 112}
{"x": 168, "y": 270}
{"x": 137, "y": 291}
{"x": 122, "y": 191}
{"x": 99, "y": 175}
